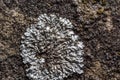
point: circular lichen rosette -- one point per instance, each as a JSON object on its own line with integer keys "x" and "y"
{"x": 52, "y": 49}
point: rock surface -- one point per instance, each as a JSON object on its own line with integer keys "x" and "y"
{"x": 97, "y": 22}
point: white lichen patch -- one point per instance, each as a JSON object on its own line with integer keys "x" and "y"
{"x": 52, "y": 49}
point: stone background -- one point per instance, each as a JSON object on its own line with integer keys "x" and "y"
{"x": 97, "y": 22}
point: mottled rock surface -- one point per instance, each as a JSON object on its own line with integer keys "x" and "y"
{"x": 12, "y": 69}
{"x": 97, "y": 22}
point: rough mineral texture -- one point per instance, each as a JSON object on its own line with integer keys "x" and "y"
{"x": 12, "y": 69}
{"x": 52, "y": 49}
{"x": 96, "y": 22}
